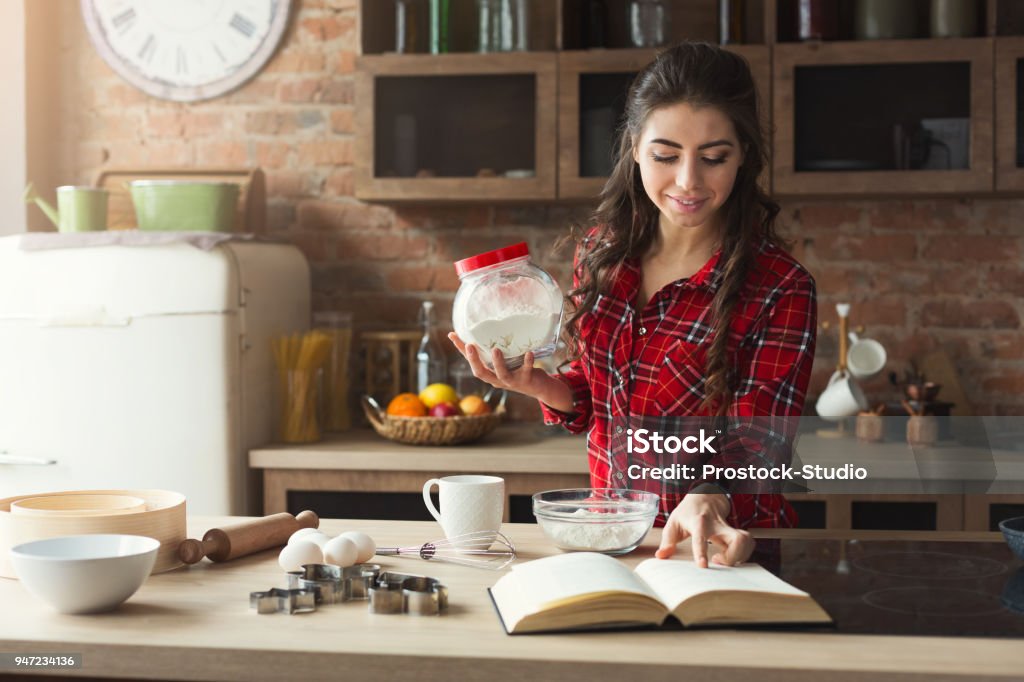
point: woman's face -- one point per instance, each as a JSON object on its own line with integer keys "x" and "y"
{"x": 688, "y": 161}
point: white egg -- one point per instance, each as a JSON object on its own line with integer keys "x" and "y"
{"x": 341, "y": 552}
{"x": 293, "y": 556}
{"x": 300, "y": 533}
{"x": 367, "y": 547}
{"x": 318, "y": 539}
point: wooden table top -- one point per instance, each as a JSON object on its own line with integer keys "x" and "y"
{"x": 195, "y": 623}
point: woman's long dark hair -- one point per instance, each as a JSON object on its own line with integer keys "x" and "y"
{"x": 625, "y": 223}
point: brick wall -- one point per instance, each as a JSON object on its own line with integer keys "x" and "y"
{"x": 922, "y": 275}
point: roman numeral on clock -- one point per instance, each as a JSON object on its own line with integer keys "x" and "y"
{"x": 243, "y": 25}
{"x": 124, "y": 21}
{"x": 148, "y": 48}
{"x": 181, "y": 63}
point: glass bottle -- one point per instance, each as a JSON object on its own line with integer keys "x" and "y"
{"x": 439, "y": 17}
{"x": 648, "y": 20}
{"x": 431, "y": 363}
{"x": 515, "y": 25}
{"x": 817, "y": 20}
{"x": 489, "y": 25}
{"x": 594, "y": 26}
{"x": 731, "y": 22}
{"x": 410, "y": 22}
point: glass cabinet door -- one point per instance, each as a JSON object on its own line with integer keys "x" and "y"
{"x": 867, "y": 118}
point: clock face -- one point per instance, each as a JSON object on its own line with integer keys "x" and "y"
{"x": 186, "y": 50}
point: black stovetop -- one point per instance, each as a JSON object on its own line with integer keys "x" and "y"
{"x": 887, "y": 587}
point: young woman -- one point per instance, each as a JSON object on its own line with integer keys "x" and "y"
{"x": 686, "y": 303}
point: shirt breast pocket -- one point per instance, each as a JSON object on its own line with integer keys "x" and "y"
{"x": 681, "y": 390}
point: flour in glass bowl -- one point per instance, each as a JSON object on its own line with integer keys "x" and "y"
{"x": 597, "y": 537}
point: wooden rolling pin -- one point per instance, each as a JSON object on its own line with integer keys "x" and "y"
{"x": 225, "y": 544}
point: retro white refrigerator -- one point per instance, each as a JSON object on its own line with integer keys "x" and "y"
{"x": 130, "y": 367}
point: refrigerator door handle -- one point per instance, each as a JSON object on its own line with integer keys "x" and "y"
{"x": 22, "y": 459}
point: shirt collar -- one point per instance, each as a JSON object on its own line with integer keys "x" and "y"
{"x": 627, "y": 282}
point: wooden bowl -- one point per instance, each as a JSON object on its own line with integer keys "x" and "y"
{"x": 78, "y": 505}
{"x": 163, "y": 520}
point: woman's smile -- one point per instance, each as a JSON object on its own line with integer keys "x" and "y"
{"x": 687, "y": 206}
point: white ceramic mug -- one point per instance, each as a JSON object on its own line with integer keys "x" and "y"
{"x": 841, "y": 398}
{"x": 469, "y": 503}
{"x": 865, "y": 357}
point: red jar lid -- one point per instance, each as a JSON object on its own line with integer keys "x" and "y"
{"x": 505, "y": 253}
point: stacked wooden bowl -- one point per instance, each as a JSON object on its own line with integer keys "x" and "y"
{"x": 158, "y": 514}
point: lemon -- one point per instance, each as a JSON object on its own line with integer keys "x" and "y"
{"x": 438, "y": 393}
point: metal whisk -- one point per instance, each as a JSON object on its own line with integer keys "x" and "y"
{"x": 469, "y": 549}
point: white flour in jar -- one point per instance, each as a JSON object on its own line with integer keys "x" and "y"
{"x": 598, "y": 537}
{"x": 514, "y": 334}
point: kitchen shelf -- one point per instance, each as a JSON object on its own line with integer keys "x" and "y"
{"x": 591, "y": 98}
{"x": 787, "y": 17}
{"x": 555, "y": 110}
{"x": 1009, "y": 76}
{"x": 832, "y": 72}
{"x": 378, "y": 26}
{"x": 463, "y": 120}
{"x": 688, "y": 20}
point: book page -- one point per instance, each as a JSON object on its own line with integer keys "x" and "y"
{"x": 676, "y": 580}
{"x": 566, "y": 576}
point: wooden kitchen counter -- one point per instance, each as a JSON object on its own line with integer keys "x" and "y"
{"x": 195, "y": 624}
{"x": 532, "y": 458}
{"x": 529, "y": 458}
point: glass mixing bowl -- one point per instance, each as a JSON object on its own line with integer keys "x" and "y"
{"x": 607, "y": 520}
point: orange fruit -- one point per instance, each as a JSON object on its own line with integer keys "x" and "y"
{"x": 474, "y": 405}
{"x": 406, "y": 405}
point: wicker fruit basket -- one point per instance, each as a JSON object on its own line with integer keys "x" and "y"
{"x": 433, "y": 430}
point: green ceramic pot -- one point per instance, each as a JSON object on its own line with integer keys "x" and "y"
{"x": 184, "y": 205}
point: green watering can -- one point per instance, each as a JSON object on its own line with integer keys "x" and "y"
{"x": 79, "y": 209}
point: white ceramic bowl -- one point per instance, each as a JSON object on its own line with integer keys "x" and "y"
{"x": 85, "y": 573}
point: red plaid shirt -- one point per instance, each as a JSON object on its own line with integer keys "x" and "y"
{"x": 653, "y": 364}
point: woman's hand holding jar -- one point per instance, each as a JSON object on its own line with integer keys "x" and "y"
{"x": 527, "y": 379}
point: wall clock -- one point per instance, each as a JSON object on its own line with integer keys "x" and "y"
{"x": 186, "y": 50}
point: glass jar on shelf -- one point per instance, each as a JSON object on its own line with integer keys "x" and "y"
{"x": 648, "y": 23}
{"x": 503, "y": 25}
{"x": 334, "y": 395}
{"x": 953, "y": 18}
{"x": 817, "y": 20}
{"x": 507, "y": 302}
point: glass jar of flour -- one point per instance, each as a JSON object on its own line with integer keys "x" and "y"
{"x": 506, "y": 302}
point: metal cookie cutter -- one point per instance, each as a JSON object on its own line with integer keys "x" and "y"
{"x": 276, "y": 600}
{"x": 415, "y": 595}
{"x": 334, "y": 584}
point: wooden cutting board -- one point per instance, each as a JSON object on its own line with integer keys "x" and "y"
{"x": 251, "y": 215}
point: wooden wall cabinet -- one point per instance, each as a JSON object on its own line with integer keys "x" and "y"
{"x": 576, "y": 93}
{"x": 457, "y": 127}
{"x": 846, "y": 106}
{"x": 1009, "y": 114}
{"x": 592, "y": 86}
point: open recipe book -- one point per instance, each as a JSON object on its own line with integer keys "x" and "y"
{"x": 584, "y": 590}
